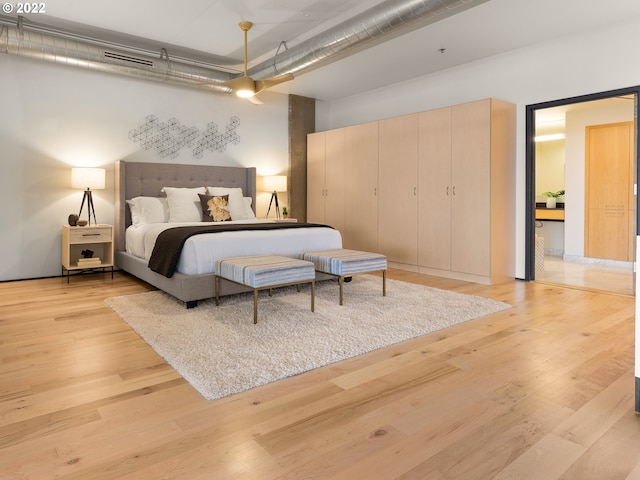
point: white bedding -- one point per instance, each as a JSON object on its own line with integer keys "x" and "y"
{"x": 200, "y": 252}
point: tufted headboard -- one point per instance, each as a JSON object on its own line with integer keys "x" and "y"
{"x": 134, "y": 179}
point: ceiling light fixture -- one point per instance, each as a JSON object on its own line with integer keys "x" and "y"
{"x": 547, "y": 138}
{"x": 244, "y": 87}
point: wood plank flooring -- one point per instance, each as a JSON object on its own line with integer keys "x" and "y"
{"x": 592, "y": 276}
{"x": 544, "y": 390}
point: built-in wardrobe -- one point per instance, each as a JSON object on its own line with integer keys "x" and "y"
{"x": 434, "y": 191}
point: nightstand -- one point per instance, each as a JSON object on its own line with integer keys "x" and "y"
{"x": 95, "y": 238}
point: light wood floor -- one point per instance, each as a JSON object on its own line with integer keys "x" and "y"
{"x": 544, "y": 390}
{"x": 587, "y": 275}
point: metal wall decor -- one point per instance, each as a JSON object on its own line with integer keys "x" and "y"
{"x": 213, "y": 140}
{"x": 169, "y": 138}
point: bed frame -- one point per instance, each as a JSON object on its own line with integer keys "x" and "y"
{"x": 133, "y": 179}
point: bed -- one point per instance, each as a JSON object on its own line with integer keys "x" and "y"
{"x": 194, "y": 279}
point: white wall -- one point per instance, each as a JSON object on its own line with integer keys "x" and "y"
{"x": 550, "y": 167}
{"x": 561, "y": 68}
{"x": 55, "y": 117}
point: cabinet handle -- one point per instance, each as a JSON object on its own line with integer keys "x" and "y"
{"x": 415, "y": 191}
{"x": 454, "y": 190}
{"x": 90, "y": 234}
{"x": 447, "y": 190}
{"x": 375, "y": 192}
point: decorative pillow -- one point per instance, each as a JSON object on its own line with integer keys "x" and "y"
{"x": 184, "y": 204}
{"x": 248, "y": 211}
{"x": 236, "y": 204}
{"x": 215, "y": 208}
{"x": 148, "y": 210}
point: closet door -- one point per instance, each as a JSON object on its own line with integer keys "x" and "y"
{"x": 434, "y": 187}
{"x": 316, "y": 152}
{"x": 334, "y": 193}
{"x": 471, "y": 188}
{"x": 361, "y": 188}
{"x": 398, "y": 189}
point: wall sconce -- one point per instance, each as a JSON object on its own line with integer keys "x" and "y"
{"x": 275, "y": 184}
{"x": 88, "y": 178}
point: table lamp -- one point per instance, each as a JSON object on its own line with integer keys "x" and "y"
{"x": 275, "y": 184}
{"x": 88, "y": 178}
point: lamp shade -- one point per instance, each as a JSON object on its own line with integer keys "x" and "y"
{"x": 275, "y": 183}
{"x": 93, "y": 178}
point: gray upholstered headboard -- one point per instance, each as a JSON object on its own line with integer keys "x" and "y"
{"x": 134, "y": 179}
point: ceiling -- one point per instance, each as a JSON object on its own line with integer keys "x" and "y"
{"x": 207, "y": 30}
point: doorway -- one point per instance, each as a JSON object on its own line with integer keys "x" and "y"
{"x": 561, "y": 230}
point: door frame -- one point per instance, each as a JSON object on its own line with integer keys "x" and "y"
{"x": 530, "y": 166}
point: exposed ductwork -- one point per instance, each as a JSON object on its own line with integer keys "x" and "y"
{"x": 67, "y": 49}
{"x": 383, "y": 22}
{"x": 376, "y": 25}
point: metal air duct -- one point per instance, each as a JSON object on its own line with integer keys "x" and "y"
{"x": 380, "y": 23}
{"x": 70, "y": 50}
{"x": 383, "y": 22}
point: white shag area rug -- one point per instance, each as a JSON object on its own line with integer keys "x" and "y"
{"x": 220, "y": 351}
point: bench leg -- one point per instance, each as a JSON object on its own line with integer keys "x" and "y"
{"x": 384, "y": 283}
{"x": 341, "y": 282}
{"x": 217, "y": 283}
{"x": 313, "y": 295}
{"x": 255, "y": 305}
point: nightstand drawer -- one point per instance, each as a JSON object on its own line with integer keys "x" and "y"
{"x": 89, "y": 234}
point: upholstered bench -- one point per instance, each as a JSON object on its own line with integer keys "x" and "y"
{"x": 343, "y": 263}
{"x": 263, "y": 272}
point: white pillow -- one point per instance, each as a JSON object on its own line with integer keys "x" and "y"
{"x": 148, "y": 210}
{"x": 184, "y": 204}
{"x": 237, "y": 207}
{"x": 248, "y": 211}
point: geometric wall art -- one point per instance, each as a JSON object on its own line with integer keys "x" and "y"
{"x": 168, "y": 138}
{"x": 212, "y": 140}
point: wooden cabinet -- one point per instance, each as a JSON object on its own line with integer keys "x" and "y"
{"x": 334, "y": 178}
{"x": 325, "y": 173}
{"x": 470, "y": 187}
{"x": 467, "y": 191}
{"x": 95, "y": 238}
{"x": 361, "y": 188}
{"x": 434, "y": 191}
{"x": 316, "y": 182}
{"x": 483, "y": 191}
{"x": 398, "y": 189}
{"x": 434, "y": 185}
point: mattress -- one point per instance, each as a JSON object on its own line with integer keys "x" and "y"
{"x": 201, "y": 252}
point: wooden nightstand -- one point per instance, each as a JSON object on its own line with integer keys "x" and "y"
{"x": 96, "y": 238}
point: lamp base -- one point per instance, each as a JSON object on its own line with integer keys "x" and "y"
{"x": 274, "y": 196}
{"x": 89, "y": 199}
